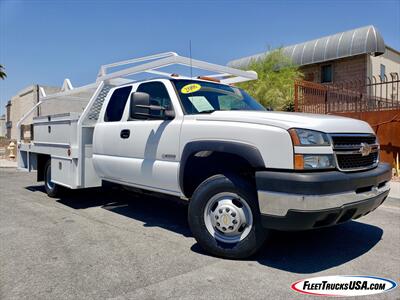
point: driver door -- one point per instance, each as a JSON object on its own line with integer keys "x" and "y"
{"x": 144, "y": 152}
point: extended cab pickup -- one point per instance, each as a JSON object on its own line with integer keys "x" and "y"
{"x": 243, "y": 169}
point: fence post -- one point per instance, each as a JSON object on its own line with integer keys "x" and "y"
{"x": 326, "y": 101}
{"x": 296, "y": 95}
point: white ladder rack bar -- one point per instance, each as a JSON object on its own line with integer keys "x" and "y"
{"x": 180, "y": 60}
{"x": 103, "y": 68}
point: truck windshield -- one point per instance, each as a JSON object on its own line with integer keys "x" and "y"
{"x": 206, "y": 97}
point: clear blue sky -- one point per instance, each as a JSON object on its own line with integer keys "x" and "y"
{"x": 46, "y": 41}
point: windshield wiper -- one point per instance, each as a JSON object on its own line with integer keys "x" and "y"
{"x": 206, "y": 111}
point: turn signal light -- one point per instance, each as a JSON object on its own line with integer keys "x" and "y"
{"x": 313, "y": 161}
{"x": 298, "y": 162}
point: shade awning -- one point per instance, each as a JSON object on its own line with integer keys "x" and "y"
{"x": 340, "y": 45}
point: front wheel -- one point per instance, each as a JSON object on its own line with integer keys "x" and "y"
{"x": 224, "y": 217}
{"x": 52, "y": 189}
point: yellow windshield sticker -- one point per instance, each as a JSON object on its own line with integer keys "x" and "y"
{"x": 190, "y": 88}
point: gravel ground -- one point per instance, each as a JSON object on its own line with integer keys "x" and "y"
{"x": 116, "y": 245}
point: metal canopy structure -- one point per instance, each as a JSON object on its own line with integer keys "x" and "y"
{"x": 340, "y": 45}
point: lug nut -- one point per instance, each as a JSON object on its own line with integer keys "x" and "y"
{"x": 218, "y": 224}
{"x": 220, "y": 211}
{"x": 216, "y": 217}
{"x": 223, "y": 228}
{"x": 227, "y": 209}
{"x": 233, "y": 214}
{"x": 234, "y": 222}
{"x": 230, "y": 227}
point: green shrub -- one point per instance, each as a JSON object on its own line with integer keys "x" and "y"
{"x": 275, "y": 84}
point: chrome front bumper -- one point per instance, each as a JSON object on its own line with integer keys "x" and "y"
{"x": 278, "y": 204}
{"x": 297, "y": 201}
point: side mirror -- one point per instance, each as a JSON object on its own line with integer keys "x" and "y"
{"x": 140, "y": 108}
{"x": 139, "y": 105}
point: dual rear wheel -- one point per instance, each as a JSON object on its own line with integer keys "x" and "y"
{"x": 52, "y": 189}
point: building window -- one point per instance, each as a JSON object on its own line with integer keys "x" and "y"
{"x": 383, "y": 72}
{"x": 326, "y": 73}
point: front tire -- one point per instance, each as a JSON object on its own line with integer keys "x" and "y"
{"x": 52, "y": 189}
{"x": 224, "y": 217}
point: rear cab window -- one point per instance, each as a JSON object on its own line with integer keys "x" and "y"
{"x": 116, "y": 105}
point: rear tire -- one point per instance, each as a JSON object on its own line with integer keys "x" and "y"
{"x": 53, "y": 190}
{"x": 225, "y": 218}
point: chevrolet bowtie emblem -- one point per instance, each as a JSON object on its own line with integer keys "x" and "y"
{"x": 365, "y": 149}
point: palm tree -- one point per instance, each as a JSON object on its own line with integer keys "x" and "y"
{"x": 3, "y": 74}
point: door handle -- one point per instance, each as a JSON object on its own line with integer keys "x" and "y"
{"x": 125, "y": 133}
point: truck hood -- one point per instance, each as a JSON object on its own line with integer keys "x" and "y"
{"x": 286, "y": 120}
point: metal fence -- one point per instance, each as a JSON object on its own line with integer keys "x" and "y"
{"x": 373, "y": 94}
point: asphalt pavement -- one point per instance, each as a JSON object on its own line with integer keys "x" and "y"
{"x": 98, "y": 244}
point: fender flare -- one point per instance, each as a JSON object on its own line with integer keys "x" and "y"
{"x": 246, "y": 151}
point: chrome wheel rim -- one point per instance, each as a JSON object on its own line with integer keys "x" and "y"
{"x": 228, "y": 217}
{"x": 49, "y": 183}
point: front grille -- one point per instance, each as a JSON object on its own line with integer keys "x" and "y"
{"x": 342, "y": 141}
{"x": 348, "y": 150}
{"x": 356, "y": 161}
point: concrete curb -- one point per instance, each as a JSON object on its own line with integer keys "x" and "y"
{"x": 4, "y": 163}
{"x": 394, "y": 189}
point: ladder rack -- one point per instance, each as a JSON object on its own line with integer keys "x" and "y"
{"x": 97, "y": 91}
{"x": 147, "y": 64}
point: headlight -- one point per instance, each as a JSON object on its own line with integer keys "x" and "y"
{"x": 305, "y": 137}
{"x": 313, "y": 161}
{"x": 310, "y": 161}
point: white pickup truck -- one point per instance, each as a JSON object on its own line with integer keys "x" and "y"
{"x": 243, "y": 169}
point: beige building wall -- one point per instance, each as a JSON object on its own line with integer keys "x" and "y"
{"x": 390, "y": 59}
{"x": 391, "y": 62}
{"x": 20, "y": 104}
{"x": 344, "y": 70}
{"x": 3, "y": 126}
{"x": 357, "y": 68}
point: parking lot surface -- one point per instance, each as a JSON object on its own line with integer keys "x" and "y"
{"x": 99, "y": 244}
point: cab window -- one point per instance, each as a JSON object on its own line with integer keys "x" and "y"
{"x": 158, "y": 96}
{"x": 116, "y": 105}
